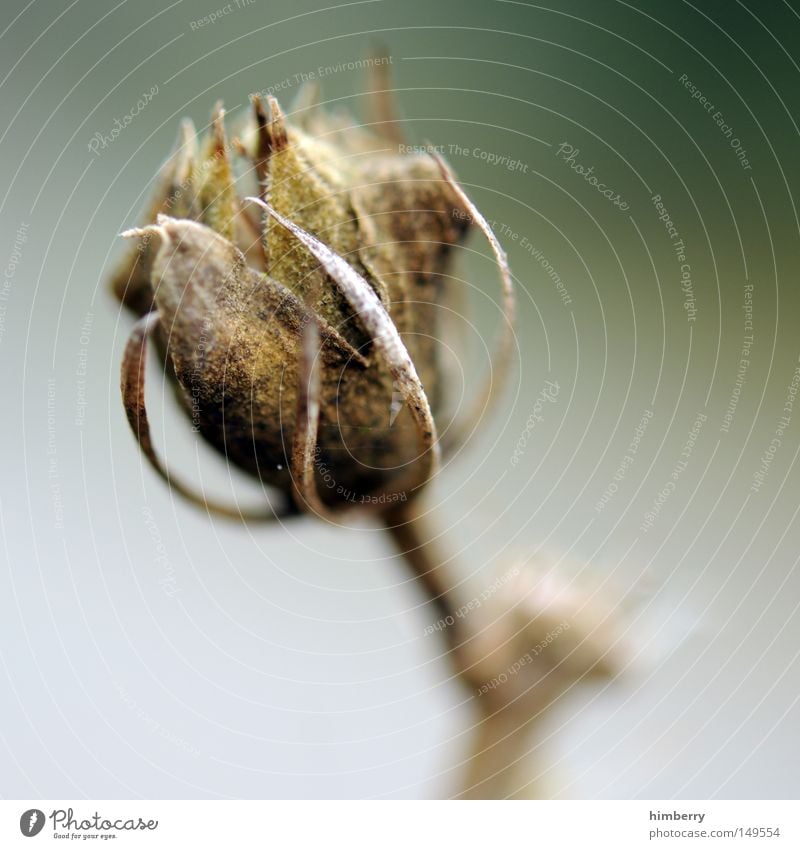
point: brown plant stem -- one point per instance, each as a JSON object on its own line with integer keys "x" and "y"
{"x": 501, "y": 764}
{"x": 412, "y": 538}
{"x": 498, "y": 766}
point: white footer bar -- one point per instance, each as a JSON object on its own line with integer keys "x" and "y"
{"x": 400, "y": 824}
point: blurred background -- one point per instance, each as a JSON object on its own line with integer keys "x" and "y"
{"x": 148, "y": 650}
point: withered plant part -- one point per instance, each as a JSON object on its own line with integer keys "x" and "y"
{"x": 299, "y": 326}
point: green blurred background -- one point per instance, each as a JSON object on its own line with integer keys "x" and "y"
{"x": 291, "y": 661}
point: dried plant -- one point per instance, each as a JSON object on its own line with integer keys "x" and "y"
{"x": 299, "y": 328}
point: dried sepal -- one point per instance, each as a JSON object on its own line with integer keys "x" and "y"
{"x": 134, "y": 361}
{"x": 306, "y": 103}
{"x": 303, "y": 189}
{"x": 459, "y": 431}
{"x": 262, "y": 145}
{"x": 381, "y": 105}
{"x": 130, "y": 282}
{"x": 214, "y": 183}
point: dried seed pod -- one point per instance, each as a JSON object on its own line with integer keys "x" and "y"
{"x": 355, "y": 246}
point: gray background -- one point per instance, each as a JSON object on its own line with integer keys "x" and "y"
{"x": 291, "y": 661}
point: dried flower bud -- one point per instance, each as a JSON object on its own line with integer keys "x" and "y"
{"x": 301, "y": 328}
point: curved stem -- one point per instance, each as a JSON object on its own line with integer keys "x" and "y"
{"x": 412, "y": 540}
